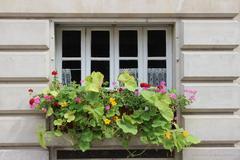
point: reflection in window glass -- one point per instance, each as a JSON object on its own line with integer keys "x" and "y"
{"x": 100, "y": 43}
{"x": 156, "y": 43}
{"x": 71, "y": 43}
{"x": 128, "y": 43}
{"x": 156, "y": 71}
{"x": 71, "y": 71}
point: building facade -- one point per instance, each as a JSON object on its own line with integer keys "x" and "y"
{"x": 200, "y": 49}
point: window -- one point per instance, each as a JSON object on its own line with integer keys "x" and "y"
{"x": 144, "y": 51}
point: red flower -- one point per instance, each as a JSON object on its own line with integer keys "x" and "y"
{"x": 54, "y": 73}
{"x": 55, "y": 104}
{"x": 31, "y": 101}
{"x": 30, "y": 90}
{"x": 145, "y": 85}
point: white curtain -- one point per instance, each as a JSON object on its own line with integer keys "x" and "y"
{"x": 66, "y": 76}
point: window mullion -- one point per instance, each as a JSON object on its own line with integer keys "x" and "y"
{"x": 88, "y": 52}
{"x": 116, "y": 53}
{"x": 144, "y": 57}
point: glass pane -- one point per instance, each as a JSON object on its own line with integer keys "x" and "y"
{"x": 71, "y": 71}
{"x": 71, "y": 43}
{"x": 130, "y": 65}
{"x": 156, "y": 72}
{"x": 100, "y": 43}
{"x": 103, "y": 67}
{"x": 128, "y": 43}
{"x": 156, "y": 43}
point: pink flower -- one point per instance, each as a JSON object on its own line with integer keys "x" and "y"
{"x": 82, "y": 81}
{"x": 114, "y": 84}
{"x": 78, "y": 100}
{"x": 173, "y": 96}
{"x": 190, "y": 94}
{"x": 34, "y": 102}
{"x": 107, "y": 108}
{"x": 44, "y": 110}
{"x": 48, "y": 98}
{"x": 162, "y": 83}
{"x": 136, "y": 92}
{"x": 163, "y": 91}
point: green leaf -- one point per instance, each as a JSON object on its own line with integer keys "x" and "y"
{"x": 94, "y": 82}
{"x": 97, "y": 112}
{"x": 192, "y": 139}
{"x": 70, "y": 116}
{"x": 127, "y": 127}
{"x": 84, "y": 145}
{"x": 54, "y": 93}
{"x": 58, "y": 133}
{"x": 87, "y": 136}
{"x": 41, "y": 138}
{"x": 162, "y": 102}
{"x": 58, "y": 122}
{"x": 128, "y": 81}
{"x": 49, "y": 112}
{"x": 46, "y": 91}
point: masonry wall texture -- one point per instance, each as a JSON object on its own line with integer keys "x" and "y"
{"x": 207, "y": 38}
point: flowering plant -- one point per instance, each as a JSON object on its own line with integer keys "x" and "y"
{"x": 91, "y": 112}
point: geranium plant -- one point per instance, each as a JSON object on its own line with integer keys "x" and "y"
{"x": 90, "y": 112}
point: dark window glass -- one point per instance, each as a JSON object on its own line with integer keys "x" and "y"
{"x": 101, "y": 66}
{"x": 156, "y": 43}
{"x": 74, "y": 67}
{"x": 71, "y": 43}
{"x": 128, "y": 43}
{"x": 100, "y": 43}
{"x": 156, "y": 72}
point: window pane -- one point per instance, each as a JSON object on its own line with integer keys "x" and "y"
{"x": 100, "y": 43}
{"x": 156, "y": 72}
{"x": 156, "y": 43}
{"x": 71, "y": 43}
{"x": 128, "y": 43}
{"x": 71, "y": 71}
{"x": 130, "y": 65}
{"x": 101, "y": 66}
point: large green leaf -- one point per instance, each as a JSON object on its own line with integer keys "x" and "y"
{"x": 58, "y": 122}
{"x": 70, "y": 116}
{"x": 94, "y": 82}
{"x": 128, "y": 81}
{"x": 193, "y": 139}
{"x": 162, "y": 102}
{"x": 49, "y": 112}
{"x": 97, "y": 112}
{"x": 41, "y": 138}
{"x": 127, "y": 127}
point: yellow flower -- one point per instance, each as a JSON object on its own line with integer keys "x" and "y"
{"x": 115, "y": 118}
{"x": 63, "y": 104}
{"x": 168, "y": 135}
{"x": 112, "y": 101}
{"x": 185, "y": 133}
{"x": 107, "y": 121}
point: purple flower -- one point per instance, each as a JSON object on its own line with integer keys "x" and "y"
{"x": 114, "y": 84}
{"x": 190, "y": 94}
{"x": 107, "y": 108}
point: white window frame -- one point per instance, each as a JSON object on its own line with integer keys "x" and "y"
{"x": 114, "y": 50}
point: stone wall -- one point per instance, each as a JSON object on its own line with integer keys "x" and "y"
{"x": 207, "y": 38}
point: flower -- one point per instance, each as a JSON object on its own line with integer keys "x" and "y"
{"x": 115, "y": 118}
{"x": 78, "y": 100}
{"x": 173, "y": 96}
{"x": 56, "y": 104}
{"x": 107, "y": 108}
{"x": 185, "y": 133}
{"x": 48, "y": 98}
{"x": 145, "y": 85}
{"x": 190, "y": 94}
{"x": 63, "y": 104}
{"x": 82, "y": 81}
{"x": 168, "y": 135}
{"x": 107, "y": 121}
{"x": 34, "y": 102}
{"x": 44, "y": 110}
{"x": 114, "y": 84}
{"x": 112, "y": 101}
{"x": 54, "y": 73}
{"x": 30, "y": 90}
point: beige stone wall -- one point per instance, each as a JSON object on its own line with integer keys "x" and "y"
{"x": 206, "y": 41}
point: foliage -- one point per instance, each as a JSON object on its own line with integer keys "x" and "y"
{"x": 90, "y": 112}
